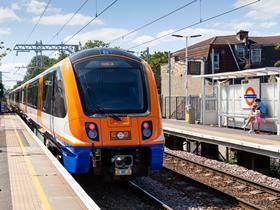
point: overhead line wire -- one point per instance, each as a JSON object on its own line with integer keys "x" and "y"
{"x": 68, "y": 21}
{"x": 97, "y": 15}
{"x": 196, "y": 23}
{"x": 35, "y": 26}
{"x": 153, "y": 21}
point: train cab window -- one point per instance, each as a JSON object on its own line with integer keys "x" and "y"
{"x": 111, "y": 85}
{"x": 59, "y": 99}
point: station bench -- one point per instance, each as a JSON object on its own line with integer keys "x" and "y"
{"x": 233, "y": 117}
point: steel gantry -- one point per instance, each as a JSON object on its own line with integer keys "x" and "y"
{"x": 39, "y": 47}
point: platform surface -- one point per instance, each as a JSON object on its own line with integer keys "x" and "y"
{"x": 235, "y": 138}
{"x": 28, "y": 178}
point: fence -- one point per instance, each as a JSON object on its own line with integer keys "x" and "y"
{"x": 177, "y": 106}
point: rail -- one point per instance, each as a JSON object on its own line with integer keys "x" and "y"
{"x": 247, "y": 192}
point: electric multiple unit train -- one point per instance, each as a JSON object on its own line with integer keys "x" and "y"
{"x": 99, "y": 111}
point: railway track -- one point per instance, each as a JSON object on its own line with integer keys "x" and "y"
{"x": 247, "y": 193}
{"x": 157, "y": 202}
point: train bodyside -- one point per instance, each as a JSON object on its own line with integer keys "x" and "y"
{"x": 118, "y": 142}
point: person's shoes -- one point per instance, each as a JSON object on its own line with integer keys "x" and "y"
{"x": 244, "y": 126}
{"x": 251, "y": 131}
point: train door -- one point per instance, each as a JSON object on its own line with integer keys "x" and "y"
{"x": 58, "y": 103}
{"x": 47, "y": 101}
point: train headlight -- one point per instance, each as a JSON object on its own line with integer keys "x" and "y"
{"x": 92, "y": 131}
{"x": 147, "y": 129}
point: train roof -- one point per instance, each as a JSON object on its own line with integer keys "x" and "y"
{"x": 81, "y": 54}
{"x": 101, "y": 51}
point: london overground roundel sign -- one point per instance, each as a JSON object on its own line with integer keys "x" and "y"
{"x": 250, "y": 91}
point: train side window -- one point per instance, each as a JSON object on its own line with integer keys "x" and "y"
{"x": 47, "y": 92}
{"x": 20, "y": 95}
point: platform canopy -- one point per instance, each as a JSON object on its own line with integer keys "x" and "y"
{"x": 266, "y": 71}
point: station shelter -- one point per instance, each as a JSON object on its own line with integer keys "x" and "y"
{"x": 236, "y": 93}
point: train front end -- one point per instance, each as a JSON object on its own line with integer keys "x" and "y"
{"x": 116, "y": 112}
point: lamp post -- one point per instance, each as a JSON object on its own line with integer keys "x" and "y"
{"x": 187, "y": 105}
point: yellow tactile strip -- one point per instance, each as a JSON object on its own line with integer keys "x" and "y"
{"x": 30, "y": 163}
{"x": 23, "y": 190}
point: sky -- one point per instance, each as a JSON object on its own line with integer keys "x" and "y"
{"x": 18, "y": 17}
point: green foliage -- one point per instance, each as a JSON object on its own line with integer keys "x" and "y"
{"x": 156, "y": 60}
{"x": 1, "y": 91}
{"x": 93, "y": 44}
{"x": 3, "y": 50}
{"x": 277, "y": 47}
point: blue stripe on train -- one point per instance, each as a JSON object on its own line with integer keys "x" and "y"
{"x": 77, "y": 159}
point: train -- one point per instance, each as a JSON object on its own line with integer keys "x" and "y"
{"x": 98, "y": 111}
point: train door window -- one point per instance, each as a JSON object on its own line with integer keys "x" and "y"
{"x": 22, "y": 95}
{"x": 32, "y": 94}
{"x": 47, "y": 92}
{"x": 59, "y": 99}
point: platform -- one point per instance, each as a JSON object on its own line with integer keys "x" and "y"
{"x": 263, "y": 144}
{"x": 30, "y": 177}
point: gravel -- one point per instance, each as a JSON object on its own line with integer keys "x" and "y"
{"x": 181, "y": 193}
{"x": 229, "y": 168}
{"x": 112, "y": 195}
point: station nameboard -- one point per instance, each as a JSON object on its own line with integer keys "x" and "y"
{"x": 250, "y": 91}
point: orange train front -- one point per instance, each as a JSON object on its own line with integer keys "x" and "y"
{"x": 98, "y": 109}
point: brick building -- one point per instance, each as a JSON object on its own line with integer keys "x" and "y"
{"x": 221, "y": 54}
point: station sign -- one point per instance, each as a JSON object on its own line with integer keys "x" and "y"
{"x": 250, "y": 91}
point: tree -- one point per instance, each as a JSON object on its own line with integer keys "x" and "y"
{"x": 93, "y": 44}
{"x": 34, "y": 68}
{"x": 277, "y": 47}
{"x": 156, "y": 60}
{"x": 3, "y": 53}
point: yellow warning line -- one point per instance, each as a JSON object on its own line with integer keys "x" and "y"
{"x": 40, "y": 191}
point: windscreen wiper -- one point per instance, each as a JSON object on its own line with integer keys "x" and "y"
{"x": 102, "y": 110}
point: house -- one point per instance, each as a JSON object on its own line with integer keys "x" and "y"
{"x": 219, "y": 54}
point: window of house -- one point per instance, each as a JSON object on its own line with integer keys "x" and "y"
{"x": 256, "y": 55}
{"x": 216, "y": 62}
{"x": 240, "y": 53}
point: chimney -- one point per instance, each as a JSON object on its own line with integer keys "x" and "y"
{"x": 242, "y": 36}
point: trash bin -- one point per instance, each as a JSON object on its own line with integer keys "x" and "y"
{"x": 190, "y": 114}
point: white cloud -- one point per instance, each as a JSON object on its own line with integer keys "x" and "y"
{"x": 15, "y": 6}
{"x": 104, "y": 34}
{"x": 37, "y": 7}
{"x": 6, "y": 14}
{"x": 262, "y": 10}
{"x": 11, "y": 76}
{"x": 5, "y": 31}
{"x": 204, "y": 32}
{"x": 268, "y": 24}
{"x": 60, "y": 19}
{"x": 142, "y": 39}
